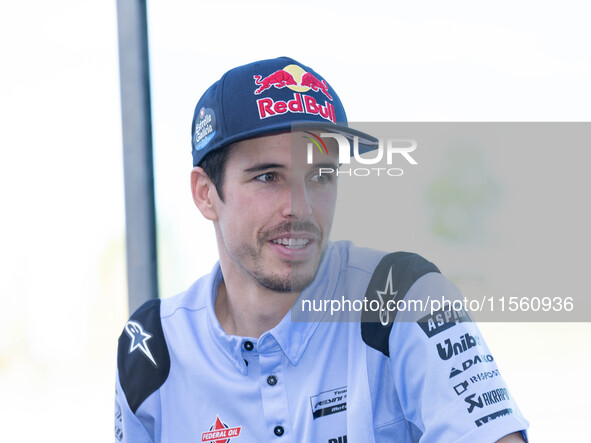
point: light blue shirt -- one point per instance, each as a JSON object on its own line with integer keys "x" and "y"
{"x": 182, "y": 378}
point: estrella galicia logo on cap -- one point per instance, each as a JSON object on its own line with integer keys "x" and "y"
{"x": 293, "y": 77}
{"x": 205, "y": 128}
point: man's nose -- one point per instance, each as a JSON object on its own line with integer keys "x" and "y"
{"x": 297, "y": 204}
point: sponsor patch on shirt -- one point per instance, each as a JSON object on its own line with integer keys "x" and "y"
{"x": 483, "y": 420}
{"x": 118, "y": 421}
{"x": 442, "y": 320}
{"x": 329, "y": 402}
{"x": 139, "y": 339}
{"x": 220, "y": 432}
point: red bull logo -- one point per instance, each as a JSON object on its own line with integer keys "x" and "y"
{"x": 279, "y": 79}
{"x": 301, "y": 103}
{"x": 309, "y": 81}
{"x": 295, "y": 78}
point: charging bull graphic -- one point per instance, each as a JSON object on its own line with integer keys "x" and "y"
{"x": 309, "y": 81}
{"x": 279, "y": 79}
{"x": 293, "y": 77}
{"x": 300, "y": 81}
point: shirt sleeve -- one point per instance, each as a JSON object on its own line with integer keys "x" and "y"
{"x": 143, "y": 365}
{"x": 446, "y": 377}
{"x": 128, "y": 428}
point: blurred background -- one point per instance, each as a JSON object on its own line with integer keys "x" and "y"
{"x": 63, "y": 287}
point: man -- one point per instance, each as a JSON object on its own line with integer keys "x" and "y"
{"x": 226, "y": 361}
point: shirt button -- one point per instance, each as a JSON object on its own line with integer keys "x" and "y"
{"x": 248, "y": 345}
{"x": 279, "y": 431}
{"x": 272, "y": 381}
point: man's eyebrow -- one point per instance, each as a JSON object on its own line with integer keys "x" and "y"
{"x": 263, "y": 167}
{"x": 333, "y": 165}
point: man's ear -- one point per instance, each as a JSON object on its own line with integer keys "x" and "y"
{"x": 204, "y": 193}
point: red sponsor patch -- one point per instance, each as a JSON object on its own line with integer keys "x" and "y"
{"x": 301, "y": 103}
{"x": 294, "y": 77}
{"x": 220, "y": 432}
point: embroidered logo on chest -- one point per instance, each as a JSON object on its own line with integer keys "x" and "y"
{"x": 329, "y": 402}
{"x": 220, "y": 432}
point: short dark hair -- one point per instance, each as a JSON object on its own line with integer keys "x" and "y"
{"x": 214, "y": 165}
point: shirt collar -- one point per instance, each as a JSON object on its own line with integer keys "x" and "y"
{"x": 291, "y": 336}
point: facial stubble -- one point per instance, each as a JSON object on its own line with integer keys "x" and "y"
{"x": 295, "y": 281}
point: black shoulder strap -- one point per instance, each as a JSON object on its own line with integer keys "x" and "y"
{"x": 391, "y": 280}
{"x": 143, "y": 360}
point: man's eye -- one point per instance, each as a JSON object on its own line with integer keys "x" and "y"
{"x": 267, "y": 177}
{"x": 322, "y": 177}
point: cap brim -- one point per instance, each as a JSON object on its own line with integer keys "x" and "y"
{"x": 366, "y": 142}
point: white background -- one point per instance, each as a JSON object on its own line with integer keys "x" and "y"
{"x": 62, "y": 285}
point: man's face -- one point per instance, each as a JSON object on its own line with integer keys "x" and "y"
{"x": 274, "y": 222}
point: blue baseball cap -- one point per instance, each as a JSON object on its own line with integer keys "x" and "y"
{"x": 266, "y": 97}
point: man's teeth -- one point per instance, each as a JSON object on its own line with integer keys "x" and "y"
{"x": 292, "y": 242}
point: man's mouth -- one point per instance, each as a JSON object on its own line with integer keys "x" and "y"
{"x": 292, "y": 243}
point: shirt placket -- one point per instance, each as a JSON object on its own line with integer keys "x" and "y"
{"x": 273, "y": 387}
